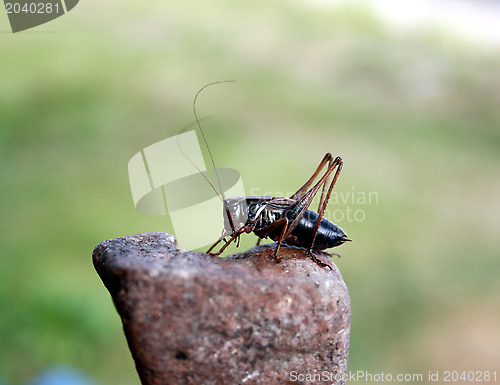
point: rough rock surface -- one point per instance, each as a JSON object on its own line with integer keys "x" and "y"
{"x": 191, "y": 318}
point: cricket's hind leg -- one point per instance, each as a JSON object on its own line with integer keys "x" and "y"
{"x": 318, "y": 261}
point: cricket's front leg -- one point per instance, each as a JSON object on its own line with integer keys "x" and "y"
{"x": 234, "y": 236}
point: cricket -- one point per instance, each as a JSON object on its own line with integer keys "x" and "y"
{"x": 284, "y": 220}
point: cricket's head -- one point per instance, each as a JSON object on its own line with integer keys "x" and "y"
{"x": 235, "y": 213}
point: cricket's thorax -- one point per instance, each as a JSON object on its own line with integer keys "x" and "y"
{"x": 266, "y": 212}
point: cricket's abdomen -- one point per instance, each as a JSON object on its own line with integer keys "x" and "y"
{"x": 329, "y": 234}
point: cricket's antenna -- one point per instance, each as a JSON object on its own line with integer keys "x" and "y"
{"x": 223, "y": 198}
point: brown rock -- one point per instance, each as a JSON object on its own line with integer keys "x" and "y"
{"x": 191, "y": 318}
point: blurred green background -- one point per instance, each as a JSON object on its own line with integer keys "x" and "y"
{"x": 414, "y": 114}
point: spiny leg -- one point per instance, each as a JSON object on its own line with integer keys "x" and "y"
{"x": 324, "y": 190}
{"x": 301, "y": 191}
{"x": 306, "y": 199}
{"x": 297, "y": 209}
{"x": 272, "y": 227}
{"x": 280, "y": 240}
{"x": 284, "y": 223}
{"x": 337, "y": 163}
{"x": 222, "y": 238}
{"x": 313, "y": 256}
{"x": 236, "y": 234}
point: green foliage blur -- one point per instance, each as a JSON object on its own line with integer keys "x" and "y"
{"x": 415, "y": 116}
